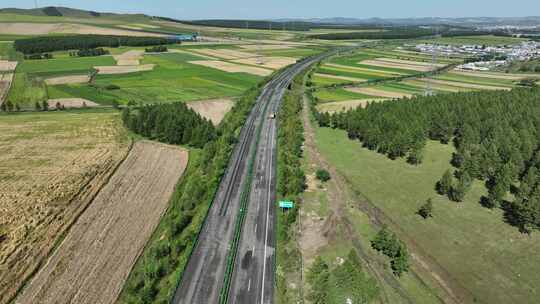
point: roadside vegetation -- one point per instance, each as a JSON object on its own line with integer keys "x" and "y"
{"x": 159, "y": 269}
{"x": 291, "y": 182}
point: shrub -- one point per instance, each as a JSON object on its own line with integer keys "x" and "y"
{"x": 323, "y": 175}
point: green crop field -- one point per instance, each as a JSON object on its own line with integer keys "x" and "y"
{"x": 339, "y": 94}
{"x": 61, "y": 65}
{"x": 490, "y": 258}
{"x": 173, "y": 79}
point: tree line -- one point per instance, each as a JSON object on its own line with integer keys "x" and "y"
{"x": 89, "y": 52}
{"x": 291, "y": 182}
{"x": 496, "y": 135}
{"x": 158, "y": 271}
{"x": 79, "y": 42}
{"x": 172, "y": 123}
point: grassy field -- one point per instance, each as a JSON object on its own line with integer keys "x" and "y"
{"x": 62, "y": 65}
{"x": 339, "y": 94}
{"x": 173, "y": 79}
{"x": 489, "y": 258}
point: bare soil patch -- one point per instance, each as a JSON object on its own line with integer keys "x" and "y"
{"x": 422, "y": 83}
{"x": 115, "y": 69}
{"x": 223, "y": 53}
{"x": 93, "y": 262}
{"x": 20, "y": 28}
{"x": 7, "y": 66}
{"x": 233, "y": 67}
{"x": 403, "y": 66}
{"x": 378, "y": 92}
{"x": 68, "y": 79}
{"x": 71, "y": 103}
{"x": 214, "y": 109}
{"x": 192, "y": 53}
{"x": 268, "y": 62}
{"x": 51, "y": 166}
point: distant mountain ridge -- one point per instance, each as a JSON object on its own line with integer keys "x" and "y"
{"x": 529, "y": 20}
{"x": 59, "y": 11}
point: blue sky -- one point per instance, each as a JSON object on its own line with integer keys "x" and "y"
{"x": 257, "y": 9}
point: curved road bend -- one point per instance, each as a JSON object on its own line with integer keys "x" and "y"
{"x": 253, "y": 276}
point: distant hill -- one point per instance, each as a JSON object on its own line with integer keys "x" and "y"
{"x": 58, "y": 11}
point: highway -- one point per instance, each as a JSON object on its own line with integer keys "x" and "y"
{"x": 253, "y": 276}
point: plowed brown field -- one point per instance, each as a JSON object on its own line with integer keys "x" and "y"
{"x": 94, "y": 260}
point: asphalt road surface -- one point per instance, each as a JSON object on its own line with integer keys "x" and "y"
{"x": 253, "y": 276}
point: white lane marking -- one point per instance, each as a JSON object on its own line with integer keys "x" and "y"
{"x": 267, "y": 215}
{"x": 249, "y": 285}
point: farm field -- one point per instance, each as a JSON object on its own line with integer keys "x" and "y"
{"x": 475, "y": 40}
{"x": 94, "y": 260}
{"x": 213, "y": 109}
{"x": 174, "y": 78}
{"x": 51, "y": 166}
{"x": 506, "y": 269}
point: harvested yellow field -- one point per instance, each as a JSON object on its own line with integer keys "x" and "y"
{"x": 214, "y": 109}
{"x": 73, "y": 79}
{"x": 468, "y": 85}
{"x": 5, "y": 84}
{"x": 51, "y": 166}
{"x": 233, "y": 67}
{"x": 378, "y": 92}
{"x": 403, "y": 66}
{"x": 268, "y": 62}
{"x": 128, "y": 58}
{"x": 494, "y": 75}
{"x": 353, "y": 79}
{"x": 93, "y": 262}
{"x": 117, "y": 69}
{"x": 342, "y": 106}
{"x": 254, "y": 47}
{"x": 70, "y": 103}
{"x": 20, "y": 28}
{"x": 7, "y": 66}
{"x": 409, "y": 62}
{"x": 191, "y": 53}
{"x": 369, "y": 71}
{"x": 223, "y": 53}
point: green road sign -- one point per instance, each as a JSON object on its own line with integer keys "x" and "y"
{"x": 286, "y": 204}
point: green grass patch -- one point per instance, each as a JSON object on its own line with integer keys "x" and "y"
{"x": 490, "y": 258}
{"x": 64, "y": 64}
{"x": 476, "y": 40}
{"x": 26, "y": 91}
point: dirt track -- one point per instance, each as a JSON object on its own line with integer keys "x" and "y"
{"x": 94, "y": 260}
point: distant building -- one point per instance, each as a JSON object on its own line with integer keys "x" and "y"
{"x": 186, "y": 37}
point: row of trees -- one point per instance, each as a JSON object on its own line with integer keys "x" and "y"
{"x": 496, "y": 135}
{"x": 43, "y": 44}
{"x": 38, "y": 56}
{"x": 343, "y": 283}
{"x": 89, "y": 52}
{"x": 172, "y": 123}
{"x": 291, "y": 182}
{"x": 157, "y": 272}
{"x": 157, "y": 49}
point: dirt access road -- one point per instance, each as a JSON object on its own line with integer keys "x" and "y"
{"x": 94, "y": 260}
